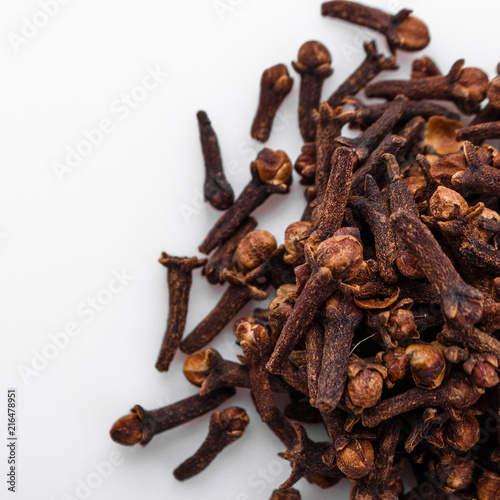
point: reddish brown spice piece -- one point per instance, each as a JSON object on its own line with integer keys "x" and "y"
{"x": 342, "y": 319}
{"x": 478, "y": 133}
{"x": 225, "y": 428}
{"x": 209, "y": 371}
{"x": 275, "y": 85}
{"x": 479, "y": 178}
{"x": 252, "y": 251}
{"x": 374, "y": 211}
{"x": 313, "y": 65}
{"x": 306, "y": 460}
{"x": 271, "y": 173}
{"x": 462, "y": 303}
{"x": 140, "y": 426}
{"x": 402, "y": 30}
{"x": 373, "y": 64}
{"x": 423, "y": 67}
{"x": 337, "y": 258}
{"x": 367, "y": 141}
{"x": 368, "y": 114}
{"x": 217, "y": 190}
{"x": 288, "y": 494}
{"x": 457, "y": 392}
{"x": 222, "y": 258}
{"x": 465, "y": 87}
{"x": 179, "y": 279}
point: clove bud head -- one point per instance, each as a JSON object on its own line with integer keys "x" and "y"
{"x": 356, "y": 459}
{"x": 401, "y": 324}
{"x": 365, "y": 385}
{"x": 233, "y": 421}
{"x": 313, "y": 58}
{"x": 427, "y": 365}
{"x": 396, "y": 363}
{"x": 293, "y": 242}
{"x": 255, "y": 248}
{"x": 482, "y": 369}
{"x": 198, "y": 365}
{"x": 342, "y": 254}
{"x": 413, "y": 34}
{"x": 127, "y": 430}
{"x": 446, "y": 204}
{"x": 488, "y": 486}
{"x": 273, "y": 167}
{"x": 288, "y": 494}
{"x": 462, "y": 435}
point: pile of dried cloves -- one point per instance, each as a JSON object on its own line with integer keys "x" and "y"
{"x": 385, "y": 322}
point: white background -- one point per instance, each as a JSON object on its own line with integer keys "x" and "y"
{"x": 124, "y": 203}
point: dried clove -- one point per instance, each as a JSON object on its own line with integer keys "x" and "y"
{"x": 225, "y": 428}
{"x": 465, "y": 87}
{"x": 402, "y": 30}
{"x": 313, "y": 65}
{"x": 140, "y": 426}
{"x": 179, "y": 279}
{"x": 271, "y": 173}
{"x": 217, "y": 190}
{"x": 373, "y": 64}
{"x": 275, "y": 85}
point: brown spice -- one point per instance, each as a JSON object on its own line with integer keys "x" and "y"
{"x": 217, "y": 190}
{"x": 275, "y": 85}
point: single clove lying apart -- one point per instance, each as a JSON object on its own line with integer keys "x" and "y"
{"x": 217, "y": 190}
{"x": 226, "y": 427}
{"x": 179, "y": 285}
{"x": 275, "y": 85}
{"x": 402, "y": 30}
{"x": 140, "y": 426}
{"x": 384, "y": 316}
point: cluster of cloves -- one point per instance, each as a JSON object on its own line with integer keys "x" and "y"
{"x": 384, "y": 324}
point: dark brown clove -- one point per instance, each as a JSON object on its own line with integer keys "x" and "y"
{"x": 313, "y": 65}
{"x": 462, "y": 303}
{"x": 275, "y": 85}
{"x": 457, "y": 392}
{"x": 479, "y": 178}
{"x": 271, "y": 173}
{"x": 142, "y": 425}
{"x": 306, "y": 459}
{"x": 368, "y": 114}
{"x": 217, "y": 190}
{"x": 368, "y": 140}
{"x": 378, "y": 483}
{"x": 478, "y": 133}
{"x": 374, "y": 211}
{"x": 402, "y": 30}
{"x": 342, "y": 319}
{"x": 423, "y": 67}
{"x": 337, "y": 258}
{"x": 288, "y": 494}
{"x": 209, "y": 371}
{"x": 252, "y": 252}
{"x": 465, "y": 87}
{"x": 372, "y": 65}
{"x": 222, "y": 258}
{"x": 225, "y": 428}
{"x": 179, "y": 279}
